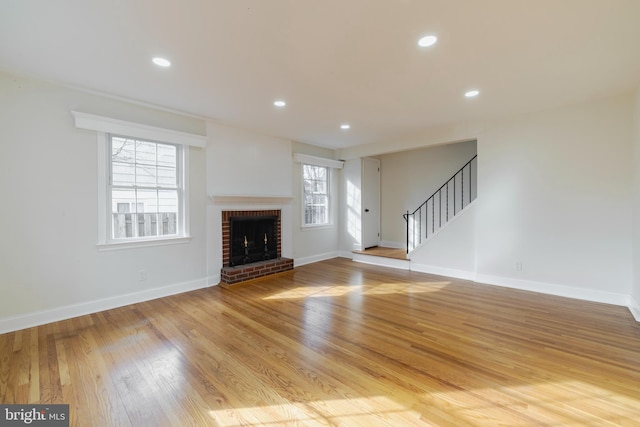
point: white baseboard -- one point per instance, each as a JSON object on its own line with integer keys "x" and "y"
{"x": 15, "y": 323}
{"x": 634, "y": 308}
{"x": 555, "y": 289}
{"x": 345, "y": 254}
{"x": 297, "y": 262}
{"x": 394, "y": 245}
{"x": 214, "y": 280}
{"x": 441, "y": 271}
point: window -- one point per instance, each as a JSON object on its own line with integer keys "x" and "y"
{"x": 145, "y": 189}
{"x": 143, "y": 182}
{"x": 315, "y": 194}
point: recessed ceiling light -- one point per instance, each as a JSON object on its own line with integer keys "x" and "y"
{"x": 345, "y": 126}
{"x": 161, "y": 62}
{"x": 472, "y": 93}
{"x": 427, "y": 41}
{"x": 279, "y": 103}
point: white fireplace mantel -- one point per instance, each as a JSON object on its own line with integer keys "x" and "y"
{"x": 235, "y": 199}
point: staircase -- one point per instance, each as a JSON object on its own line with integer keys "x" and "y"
{"x": 442, "y": 206}
{"x": 428, "y": 219}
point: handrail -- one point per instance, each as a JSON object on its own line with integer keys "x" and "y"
{"x": 417, "y": 237}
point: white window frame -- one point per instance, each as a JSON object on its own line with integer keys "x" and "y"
{"x": 330, "y": 164}
{"x": 181, "y": 225}
{"x": 105, "y": 126}
{"x": 327, "y": 194}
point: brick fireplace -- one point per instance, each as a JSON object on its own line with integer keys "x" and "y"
{"x": 246, "y": 254}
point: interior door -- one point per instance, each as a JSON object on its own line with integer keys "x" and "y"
{"x": 370, "y": 202}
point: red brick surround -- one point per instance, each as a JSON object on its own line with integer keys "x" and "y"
{"x": 230, "y": 275}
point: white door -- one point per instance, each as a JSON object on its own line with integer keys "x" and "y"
{"x": 370, "y": 202}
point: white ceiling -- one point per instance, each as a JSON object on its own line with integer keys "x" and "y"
{"x": 333, "y": 61}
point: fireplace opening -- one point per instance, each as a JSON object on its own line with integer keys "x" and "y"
{"x": 252, "y": 239}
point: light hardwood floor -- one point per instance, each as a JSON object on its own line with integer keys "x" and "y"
{"x": 384, "y": 252}
{"x": 336, "y": 343}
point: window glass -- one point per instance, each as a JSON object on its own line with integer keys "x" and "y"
{"x": 144, "y": 189}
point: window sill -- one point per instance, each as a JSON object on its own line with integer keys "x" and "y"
{"x": 117, "y": 245}
{"x": 316, "y": 227}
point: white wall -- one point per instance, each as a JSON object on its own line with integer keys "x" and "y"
{"x": 554, "y": 197}
{"x": 256, "y": 171}
{"x": 635, "y": 295}
{"x": 452, "y": 250}
{"x": 555, "y": 194}
{"x": 50, "y": 267}
{"x": 311, "y": 244}
{"x": 351, "y": 207}
{"x": 409, "y": 177}
{"x": 241, "y": 162}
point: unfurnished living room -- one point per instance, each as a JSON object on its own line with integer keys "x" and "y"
{"x": 296, "y": 212}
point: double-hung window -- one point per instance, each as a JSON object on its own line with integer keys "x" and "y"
{"x": 315, "y": 195}
{"x": 143, "y": 182}
{"x": 145, "y": 189}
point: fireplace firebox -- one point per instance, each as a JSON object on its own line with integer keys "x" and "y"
{"x": 253, "y": 239}
{"x": 251, "y": 246}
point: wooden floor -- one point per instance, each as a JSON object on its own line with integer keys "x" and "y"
{"x": 336, "y": 343}
{"x": 384, "y": 252}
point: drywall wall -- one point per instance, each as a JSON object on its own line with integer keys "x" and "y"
{"x": 555, "y": 198}
{"x": 554, "y": 206}
{"x": 351, "y": 207}
{"x": 434, "y": 136}
{"x": 241, "y": 162}
{"x": 452, "y": 251}
{"x": 635, "y": 294}
{"x": 246, "y": 171}
{"x": 311, "y": 244}
{"x": 407, "y": 178}
{"x": 50, "y": 267}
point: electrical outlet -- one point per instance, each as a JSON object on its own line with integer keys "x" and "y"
{"x": 518, "y": 265}
{"x": 142, "y": 275}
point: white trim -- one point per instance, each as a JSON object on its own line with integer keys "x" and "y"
{"x": 312, "y": 227}
{"x": 131, "y": 244}
{"x": 223, "y": 199}
{"x": 345, "y": 254}
{"x": 634, "y": 308}
{"x": 318, "y": 161}
{"x": 297, "y": 262}
{"x": 442, "y": 271}
{"x": 185, "y": 221}
{"x": 15, "y": 323}
{"x": 104, "y": 199}
{"x": 105, "y": 240}
{"x": 555, "y": 289}
{"x": 329, "y": 183}
{"x": 136, "y": 130}
{"x": 401, "y": 264}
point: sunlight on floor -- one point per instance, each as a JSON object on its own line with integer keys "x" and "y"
{"x": 583, "y": 403}
{"x": 381, "y": 289}
{"x": 580, "y": 402}
{"x": 361, "y": 411}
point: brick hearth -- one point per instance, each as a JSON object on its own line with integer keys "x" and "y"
{"x": 242, "y": 273}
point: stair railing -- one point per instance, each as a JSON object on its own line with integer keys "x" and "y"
{"x": 445, "y": 203}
